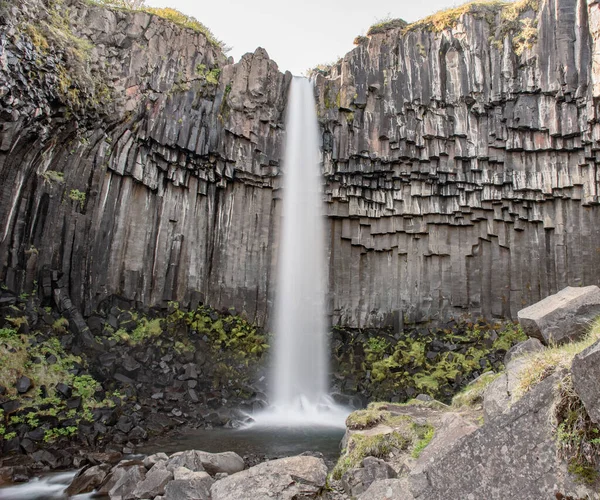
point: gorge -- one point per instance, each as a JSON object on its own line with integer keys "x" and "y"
{"x": 143, "y": 207}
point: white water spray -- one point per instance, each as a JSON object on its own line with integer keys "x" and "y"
{"x": 301, "y": 367}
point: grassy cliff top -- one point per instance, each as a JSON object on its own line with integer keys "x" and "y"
{"x": 449, "y": 18}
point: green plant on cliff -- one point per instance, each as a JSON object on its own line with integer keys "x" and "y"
{"x": 77, "y": 195}
{"x": 385, "y": 24}
{"x": 577, "y": 437}
{"x": 544, "y": 363}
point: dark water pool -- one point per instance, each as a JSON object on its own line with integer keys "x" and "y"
{"x": 272, "y": 443}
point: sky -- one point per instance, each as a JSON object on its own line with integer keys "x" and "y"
{"x": 298, "y": 35}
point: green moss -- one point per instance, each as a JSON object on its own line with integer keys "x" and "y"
{"x": 77, "y": 195}
{"x": 364, "y": 419}
{"x": 360, "y": 447}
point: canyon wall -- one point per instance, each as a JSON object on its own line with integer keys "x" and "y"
{"x": 143, "y": 167}
{"x": 137, "y": 160}
{"x": 462, "y": 164}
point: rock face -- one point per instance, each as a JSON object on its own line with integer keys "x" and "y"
{"x": 357, "y": 481}
{"x": 586, "y": 374}
{"x": 562, "y": 317}
{"x": 156, "y": 186}
{"x": 460, "y": 176}
{"x": 520, "y": 440}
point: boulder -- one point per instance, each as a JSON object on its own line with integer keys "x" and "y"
{"x": 190, "y": 459}
{"x": 387, "y": 489}
{"x": 529, "y": 346}
{"x": 190, "y": 489}
{"x": 227, "y": 462}
{"x": 586, "y": 377}
{"x": 562, "y": 317}
{"x": 283, "y": 479}
{"x": 151, "y": 460}
{"x": 183, "y": 473}
{"x": 88, "y": 479}
{"x": 357, "y": 480}
{"x": 154, "y": 483}
{"x": 122, "y": 481}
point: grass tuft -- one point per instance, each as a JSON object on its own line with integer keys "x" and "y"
{"x": 544, "y": 363}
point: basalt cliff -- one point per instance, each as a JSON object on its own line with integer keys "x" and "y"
{"x": 459, "y": 160}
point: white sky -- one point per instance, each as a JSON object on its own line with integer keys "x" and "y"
{"x": 300, "y": 34}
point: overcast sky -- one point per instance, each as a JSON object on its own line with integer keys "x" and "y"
{"x": 301, "y": 34}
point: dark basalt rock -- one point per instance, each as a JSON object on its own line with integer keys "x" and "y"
{"x": 23, "y": 384}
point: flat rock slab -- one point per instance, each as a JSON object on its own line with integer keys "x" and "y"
{"x": 562, "y": 317}
{"x": 284, "y": 479}
{"x": 586, "y": 375}
{"x": 387, "y": 489}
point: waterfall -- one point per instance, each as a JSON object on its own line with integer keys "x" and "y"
{"x": 301, "y": 352}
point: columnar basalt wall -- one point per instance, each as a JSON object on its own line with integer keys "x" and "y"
{"x": 462, "y": 177}
{"x": 160, "y": 188}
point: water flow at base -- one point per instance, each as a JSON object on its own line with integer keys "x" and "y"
{"x": 301, "y": 365}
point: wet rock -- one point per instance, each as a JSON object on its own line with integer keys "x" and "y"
{"x": 563, "y": 316}
{"x": 356, "y": 481}
{"x": 294, "y": 477}
{"x": 88, "y": 479}
{"x": 45, "y": 457}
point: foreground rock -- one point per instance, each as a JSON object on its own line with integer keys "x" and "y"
{"x": 561, "y": 317}
{"x": 356, "y": 481}
{"x": 586, "y": 379}
{"x": 283, "y": 479}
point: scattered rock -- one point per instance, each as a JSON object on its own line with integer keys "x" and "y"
{"x": 154, "y": 483}
{"x": 23, "y": 384}
{"x": 190, "y": 489}
{"x": 286, "y": 478}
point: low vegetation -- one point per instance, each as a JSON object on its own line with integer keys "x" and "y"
{"x": 407, "y": 436}
{"x": 438, "y": 363}
{"x": 577, "y": 437}
{"x": 544, "y": 363}
{"x": 173, "y": 15}
{"x": 472, "y": 395}
{"x": 505, "y": 18}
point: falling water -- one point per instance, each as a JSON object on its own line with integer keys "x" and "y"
{"x": 300, "y": 374}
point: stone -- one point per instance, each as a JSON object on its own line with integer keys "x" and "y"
{"x": 586, "y": 379}
{"x": 562, "y": 317}
{"x": 227, "y": 462}
{"x": 152, "y": 460}
{"x": 529, "y": 346}
{"x": 124, "y": 483}
{"x": 387, "y": 489}
{"x": 88, "y": 479}
{"x": 284, "y": 479}
{"x": 64, "y": 390}
{"x": 189, "y": 489}
{"x": 357, "y": 481}
{"x": 191, "y": 460}
{"x": 23, "y": 384}
{"x": 154, "y": 483}
{"x": 187, "y": 474}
